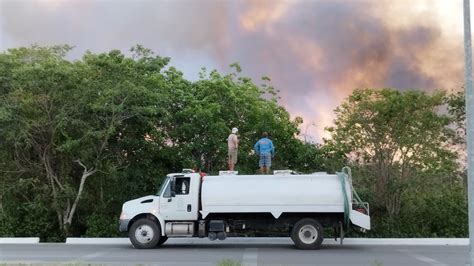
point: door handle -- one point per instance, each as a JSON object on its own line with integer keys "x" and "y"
{"x": 189, "y": 207}
{"x": 169, "y": 199}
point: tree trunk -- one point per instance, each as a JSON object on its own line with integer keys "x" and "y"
{"x": 71, "y": 210}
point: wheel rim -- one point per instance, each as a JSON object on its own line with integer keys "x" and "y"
{"x": 144, "y": 234}
{"x": 308, "y": 234}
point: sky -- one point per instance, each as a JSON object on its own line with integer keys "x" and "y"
{"x": 316, "y": 52}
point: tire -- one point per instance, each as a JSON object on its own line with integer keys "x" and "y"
{"x": 307, "y": 234}
{"x": 162, "y": 240}
{"x": 145, "y": 233}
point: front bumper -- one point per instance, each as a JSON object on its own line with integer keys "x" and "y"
{"x": 123, "y": 225}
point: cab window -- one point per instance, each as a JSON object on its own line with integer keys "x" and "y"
{"x": 161, "y": 190}
{"x": 167, "y": 190}
{"x": 182, "y": 185}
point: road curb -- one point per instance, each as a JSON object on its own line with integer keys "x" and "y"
{"x": 407, "y": 241}
{"x": 97, "y": 240}
{"x": 19, "y": 240}
{"x": 283, "y": 240}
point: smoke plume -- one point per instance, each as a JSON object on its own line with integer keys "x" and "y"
{"x": 315, "y": 52}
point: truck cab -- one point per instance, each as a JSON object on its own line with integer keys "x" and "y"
{"x": 179, "y": 197}
{"x": 177, "y": 200}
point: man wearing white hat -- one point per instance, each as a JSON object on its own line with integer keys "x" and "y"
{"x": 233, "y": 145}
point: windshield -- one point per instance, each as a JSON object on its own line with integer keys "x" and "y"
{"x": 162, "y": 186}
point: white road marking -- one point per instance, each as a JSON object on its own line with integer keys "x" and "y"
{"x": 422, "y": 258}
{"x": 250, "y": 257}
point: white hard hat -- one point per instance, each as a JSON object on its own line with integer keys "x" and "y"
{"x": 234, "y": 130}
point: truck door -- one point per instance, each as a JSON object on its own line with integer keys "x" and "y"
{"x": 180, "y": 204}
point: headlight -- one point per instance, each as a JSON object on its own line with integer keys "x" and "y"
{"x": 123, "y": 216}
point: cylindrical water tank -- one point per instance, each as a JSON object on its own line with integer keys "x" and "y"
{"x": 276, "y": 194}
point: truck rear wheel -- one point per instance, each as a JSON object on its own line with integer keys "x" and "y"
{"x": 307, "y": 234}
{"x": 145, "y": 233}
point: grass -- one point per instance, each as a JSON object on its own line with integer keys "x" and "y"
{"x": 228, "y": 262}
{"x": 377, "y": 263}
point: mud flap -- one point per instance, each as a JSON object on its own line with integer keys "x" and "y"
{"x": 360, "y": 219}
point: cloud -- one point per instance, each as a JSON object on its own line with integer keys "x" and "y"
{"x": 167, "y": 27}
{"x": 316, "y": 52}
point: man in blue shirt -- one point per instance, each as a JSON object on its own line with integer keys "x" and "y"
{"x": 265, "y": 150}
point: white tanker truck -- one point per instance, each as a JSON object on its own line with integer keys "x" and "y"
{"x": 229, "y": 205}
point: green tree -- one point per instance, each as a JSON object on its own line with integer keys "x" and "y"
{"x": 457, "y": 109}
{"x": 204, "y": 111}
{"x": 397, "y": 135}
{"x": 66, "y": 122}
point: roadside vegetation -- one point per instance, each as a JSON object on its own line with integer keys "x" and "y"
{"x": 78, "y": 138}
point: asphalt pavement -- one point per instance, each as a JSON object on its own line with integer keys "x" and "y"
{"x": 231, "y": 253}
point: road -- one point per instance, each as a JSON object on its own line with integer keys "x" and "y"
{"x": 188, "y": 252}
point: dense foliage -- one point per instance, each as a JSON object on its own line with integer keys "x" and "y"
{"x": 78, "y": 138}
{"x": 400, "y": 147}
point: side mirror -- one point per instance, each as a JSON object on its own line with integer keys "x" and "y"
{"x": 173, "y": 187}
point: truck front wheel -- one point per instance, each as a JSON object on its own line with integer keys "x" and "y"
{"x": 145, "y": 233}
{"x": 307, "y": 234}
{"x": 162, "y": 240}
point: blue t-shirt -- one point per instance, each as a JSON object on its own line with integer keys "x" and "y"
{"x": 264, "y": 145}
